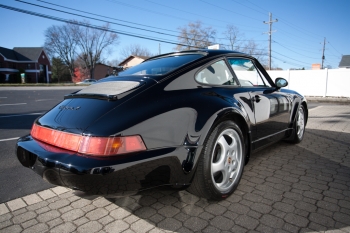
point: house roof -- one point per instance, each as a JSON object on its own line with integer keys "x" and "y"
{"x": 99, "y": 63}
{"x": 8, "y": 53}
{"x": 132, "y": 57}
{"x": 21, "y": 54}
{"x": 29, "y": 53}
{"x": 345, "y": 61}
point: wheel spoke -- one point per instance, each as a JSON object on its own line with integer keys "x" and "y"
{"x": 218, "y": 167}
{"x": 224, "y": 145}
{"x": 225, "y": 179}
{"x": 300, "y": 123}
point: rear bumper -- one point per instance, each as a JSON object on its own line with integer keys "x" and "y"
{"x": 117, "y": 175}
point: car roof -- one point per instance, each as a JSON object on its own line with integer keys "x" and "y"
{"x": 206, "y": 52}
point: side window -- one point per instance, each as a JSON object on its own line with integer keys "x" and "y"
{"x": 216, "y": 74}
{"x": 247, "y": 73}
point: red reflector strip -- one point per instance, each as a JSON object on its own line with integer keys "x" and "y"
{"x": 98, "y": 146}
{"x": 57, "y": 138}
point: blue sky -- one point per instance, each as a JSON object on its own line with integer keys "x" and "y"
{"x": 300, "y": 31}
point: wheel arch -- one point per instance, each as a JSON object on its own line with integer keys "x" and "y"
{"x": 234, "y": 115}
{"x": 295, "y": 110}
{"x": 306, "y": 111}
{"x": 197, "y": 181}
{"x": 242, "y": 123}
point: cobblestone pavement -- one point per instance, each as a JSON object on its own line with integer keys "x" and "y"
{"x": 285, "y": 188}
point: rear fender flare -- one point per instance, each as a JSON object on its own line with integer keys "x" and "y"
{"x": 231, "y": 114}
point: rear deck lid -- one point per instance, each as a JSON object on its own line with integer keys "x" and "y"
{"x": 80, "y": 109}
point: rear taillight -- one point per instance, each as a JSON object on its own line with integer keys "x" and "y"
{"x": 97, "y": 146}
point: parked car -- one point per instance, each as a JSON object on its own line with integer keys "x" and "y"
{"x": 181, "y": 120}
{"x": 87, "y": 81}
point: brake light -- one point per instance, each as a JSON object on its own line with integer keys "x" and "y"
{"x": 97, "y": 146}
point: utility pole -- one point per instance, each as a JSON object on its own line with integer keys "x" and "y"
{"x": 324, "y": 47}
{"x": 270, "y": 22}
{"x": 159, "y": 49}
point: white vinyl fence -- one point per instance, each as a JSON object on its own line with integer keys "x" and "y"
{"x": 327, "y": 82}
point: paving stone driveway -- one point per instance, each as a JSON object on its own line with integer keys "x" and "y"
{"x": 285, "y": 188}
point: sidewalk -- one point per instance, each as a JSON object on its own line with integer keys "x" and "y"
{"x": 284, "y": 188}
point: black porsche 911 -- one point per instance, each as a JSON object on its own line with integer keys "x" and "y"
{"x": 187, "y": 119}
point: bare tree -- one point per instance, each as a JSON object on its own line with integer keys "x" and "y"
{"x": 136, "y": 50}
{"x": 253, "y": 49}
{"x": 113, "y": 63}
{"x": 234, "y": 36}
{"x": 194, "y": 36}
{"x": 92, "y": 43}
{"x": 60, "y": 41}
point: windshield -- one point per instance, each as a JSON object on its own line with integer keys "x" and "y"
{"x": 161, "y": 65}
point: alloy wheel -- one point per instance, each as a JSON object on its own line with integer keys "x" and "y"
{"x": 226, "y": 160}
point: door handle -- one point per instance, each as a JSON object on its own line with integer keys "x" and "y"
{"x": 256, "y": 98}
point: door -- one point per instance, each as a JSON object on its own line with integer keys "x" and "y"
{"x": 270, "y": 106}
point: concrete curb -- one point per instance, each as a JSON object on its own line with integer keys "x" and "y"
{"x": 319, "y": 99}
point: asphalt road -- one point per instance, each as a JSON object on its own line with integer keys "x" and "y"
{"x": 19, "y": 107}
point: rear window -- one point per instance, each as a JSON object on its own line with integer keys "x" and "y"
{"x": 161, "y": 65}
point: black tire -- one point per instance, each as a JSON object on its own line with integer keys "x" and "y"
{"x": 299, "y": 126}
{"x": 220, "y": 166}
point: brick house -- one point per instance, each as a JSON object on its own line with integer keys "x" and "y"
{"x": 32, "y": 60}
{"x": 102, "y": 70}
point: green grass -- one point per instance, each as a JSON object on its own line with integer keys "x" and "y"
{"x": 39, "y": 84}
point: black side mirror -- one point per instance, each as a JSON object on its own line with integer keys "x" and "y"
{"x": 281, "y": 82}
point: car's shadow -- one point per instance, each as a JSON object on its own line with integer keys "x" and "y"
{"x": 17, "y": 122}
{"x": 285, "y": 187}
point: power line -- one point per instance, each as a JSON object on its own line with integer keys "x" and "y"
{"x": 331, "y": 64}
{"x": 97, "y": 27}
{"x": 193, "y": 13}
{"x": 287, "y": 23}
{"x": 289, "y": 57}
{"x": 261, "y": 12}
{"x": 85, "y": 25}
{"x": 298, "y": 37}
{"x": 293, "y": 50}
{"x": 290, "y": 63}
{"x": 92, "y": 26}
{"x": 151, "y": 11}
{"x": 105, "y": 21}
{"x": 239, "y": 2}
{"x": 335, "y": 49}
{"x": 90, "y": 13}
{"x": 229, "y": 10}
